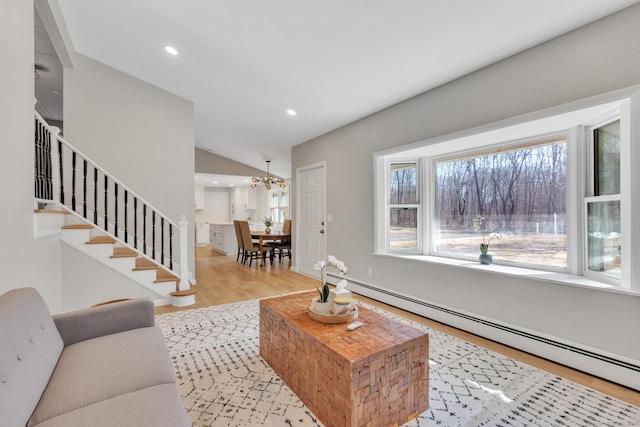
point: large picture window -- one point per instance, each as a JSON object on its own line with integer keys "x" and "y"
{"x": 521, "y": 195}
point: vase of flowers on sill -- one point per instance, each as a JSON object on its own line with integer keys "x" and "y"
{"x": 479, "y": 224}
{"x": 268, "y": 222}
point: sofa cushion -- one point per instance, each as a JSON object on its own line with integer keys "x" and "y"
{"x": 29, "y": 350}
{"x": 102, "y": 368}
{"x": 157, "y": 406}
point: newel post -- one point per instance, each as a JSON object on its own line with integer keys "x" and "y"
{"x": 184, "y": 254}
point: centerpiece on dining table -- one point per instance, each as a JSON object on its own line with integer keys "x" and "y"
{"x": 268, "y": 222}
{"x": 332, "y": 305}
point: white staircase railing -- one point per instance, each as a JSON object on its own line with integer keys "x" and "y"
{"x": 65, "y": 176}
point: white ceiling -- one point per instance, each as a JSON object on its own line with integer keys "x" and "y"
{"x": 243, "y": 62}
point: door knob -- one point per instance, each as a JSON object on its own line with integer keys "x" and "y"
{"x": 321, "y": 231}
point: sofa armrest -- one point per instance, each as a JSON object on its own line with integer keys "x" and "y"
{"x": 80, "y": 325}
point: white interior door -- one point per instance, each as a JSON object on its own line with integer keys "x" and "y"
{"x": 216, "y": 207}
{"x": 311, "y": 209}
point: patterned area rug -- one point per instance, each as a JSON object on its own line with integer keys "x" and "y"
{"x": 224, "y": 382}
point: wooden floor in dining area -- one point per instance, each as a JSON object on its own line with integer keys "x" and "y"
{"x": 221, "y": 280}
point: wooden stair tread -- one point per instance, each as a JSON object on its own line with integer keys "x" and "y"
{"x": 145, "y": 268}
{"x": 191, "y": 291}
{"x": 145, "y": 264}
{"x": 77, "y": 227}
{"x": 165, "y": 276}
{"x": 97, "y": 240}
{"x": 123, "y": 252}
{"x": 166, "y": 279}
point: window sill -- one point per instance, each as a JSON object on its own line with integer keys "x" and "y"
{"x": 541, "y": 275}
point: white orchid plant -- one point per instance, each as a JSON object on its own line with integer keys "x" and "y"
{"x": 322, "y": 266}
{"x": 478, "y": 224}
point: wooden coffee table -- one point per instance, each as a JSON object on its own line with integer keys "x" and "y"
{"x": 376, "y": 375}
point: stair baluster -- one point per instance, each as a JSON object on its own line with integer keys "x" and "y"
{"x": 49, "y": 168}
{"x": 106, "y": 203}
{"x": 170, "y": 247}
{"x": 60, "y": 166}
{"x": 126, "y": 222}
{"x": 115, "y": 209}
{"x": 84, "y": 188}
{"x": 162, "y": 241}
{"x": 144, "y": 229}
{"x": 95, "y": 195}
{"x": 73, "y": 180}
{"x": 135, "y": 223}
{"x": 153, "y": 235}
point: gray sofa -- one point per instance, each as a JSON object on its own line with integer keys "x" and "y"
{"x": 101, "y": 366}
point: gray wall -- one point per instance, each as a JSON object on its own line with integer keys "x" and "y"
{"x": 24, "y": 261}
{"x": 566, "y": 72}
{"x": 142, "y": 135}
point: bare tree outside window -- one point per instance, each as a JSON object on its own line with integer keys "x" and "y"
{"x": 521, "y": 193}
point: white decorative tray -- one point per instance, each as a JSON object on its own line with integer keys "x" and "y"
{"x": 352, "y": 314}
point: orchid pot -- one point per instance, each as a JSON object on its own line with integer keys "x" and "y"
{"x": 485, "y": 259}
{"x": 320, "y": 307}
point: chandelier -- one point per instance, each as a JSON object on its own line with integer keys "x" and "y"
{"x": 268, "y": 180}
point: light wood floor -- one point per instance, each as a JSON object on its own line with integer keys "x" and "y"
{"x": 222, "y": 280}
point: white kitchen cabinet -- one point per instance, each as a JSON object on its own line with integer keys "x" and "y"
{"x": 202, "y": 234}
{"x": 250, "y": 198}
{"x": 199, "y": 197}
{"x": 222, "y": 238}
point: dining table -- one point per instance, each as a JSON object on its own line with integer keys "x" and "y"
{"x": 264, "y": 236}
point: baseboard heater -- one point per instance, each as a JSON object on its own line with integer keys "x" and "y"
{"x": 514, "y": 331}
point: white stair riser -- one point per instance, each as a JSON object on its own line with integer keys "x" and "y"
{"x": 165, "y": 288}
{"x": 123, "y": 265}
{"x": 100, "y": 252}
{"x": 75, "y": 237}
{"x": 45, "y": 224}
{"x": 146, "y": 276}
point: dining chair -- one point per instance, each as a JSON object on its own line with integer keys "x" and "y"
{"x": 283, "y": 247}
{"x": 251, "y": 248}
{"x": 236, "y": 226}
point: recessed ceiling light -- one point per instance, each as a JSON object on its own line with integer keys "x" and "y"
{"x": 171, "y": 50}
{"x": 291, "y": 112}
{"x": 214, "y": 182}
